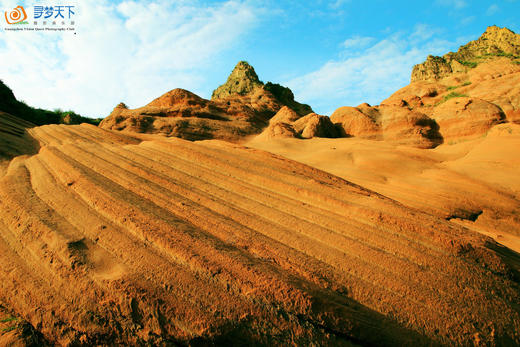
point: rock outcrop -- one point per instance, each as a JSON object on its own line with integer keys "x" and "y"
{"x": 242, "y": 106}
{"x": 242, "y": 80}
{"x": 285, "y": 115}
{"x": 277, "y": 130}
{"x": 494, "y": 42}
{"x": 315, "y": 125}
{"x": 354, "y": 122}
{"x": 449, "y": 100}
{"x": 287, "y": 123}
{"x": 433, "y": 68}
{"x": 395, "y": 123}
{"x": 465, "y": 118}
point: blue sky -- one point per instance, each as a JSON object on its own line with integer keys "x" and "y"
{"x": 330, "y": 53}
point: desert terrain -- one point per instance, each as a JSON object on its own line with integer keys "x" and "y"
{"x": 248, "y": 219}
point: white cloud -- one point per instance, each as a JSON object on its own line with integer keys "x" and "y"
{"x": 370, "y": 76}
{"x": 492, "y": 9}
{"x": 457, "y": 4}
{"x": 357, "y": 42}
{"x": 132, "y": 51}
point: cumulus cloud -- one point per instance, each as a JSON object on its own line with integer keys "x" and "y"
{"x": 128, "y": 51}
{"x": 369, "y": 76}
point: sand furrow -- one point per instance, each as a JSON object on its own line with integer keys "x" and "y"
{"x": 245, "y": 280}
{"x": 112, "y": 172}
{"x": 326, "y": 195}
{"x": 387, "y": 264}
{"x": 135, "y": 259}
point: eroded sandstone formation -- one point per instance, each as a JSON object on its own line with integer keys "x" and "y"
{"x": 447, "y": 101}
{"x": 240, "y": 107}
{"x": 494, "y": 42}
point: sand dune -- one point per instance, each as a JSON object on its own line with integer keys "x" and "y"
{"x": 106, "y": 238}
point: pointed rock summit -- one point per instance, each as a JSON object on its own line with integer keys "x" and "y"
{"x": 495, "y": 42}
{"x": 242, "y": 80}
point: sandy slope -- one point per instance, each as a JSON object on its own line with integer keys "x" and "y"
{"x": 106, "y": 239}
{"x": 473, "y": 179}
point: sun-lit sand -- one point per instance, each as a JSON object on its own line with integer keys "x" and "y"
{"x": 478, "y": 178}
{"x": 106, "y": 236}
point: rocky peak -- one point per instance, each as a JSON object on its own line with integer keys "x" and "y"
{"x": 242, "y": 80}
{"x": 122, "y": 105}
{"x": 494, "y": 42}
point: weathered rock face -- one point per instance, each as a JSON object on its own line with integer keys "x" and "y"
{"x": 240, "y": 107}
{"x": 494, "y": 42}
{"x": 285, "y": 115}
{"x": 354, "y": 122}
{"x": 243, "y": 81}
{"x": 433, "y": 68}
{"x": 395, "y": 123}
{"x": 447, "y": 101}
{"x": 277, "y": 131}
{"x": 315, "y": 125}
{"x": 183, "y": 114}
{"x": 407, "y": 127}
{"x": 287, "y": 123}
{"x": 466, "y": 118}
{"x": 417, "y": 94}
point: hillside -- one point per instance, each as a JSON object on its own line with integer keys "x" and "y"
{"x": 110, "y": 239}
{"x": 240, "y": 107}
{"x": 9, "y": 104}
{"x": 470, "y": 117}
{"x": 447, "y": 101}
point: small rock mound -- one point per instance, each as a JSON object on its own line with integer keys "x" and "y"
{"x": 354, "y": 122}
{"x": 467, "y": 118}
{"x": 277, "y": 131}
{"x": 407, "y": 127}
{"x": 315, "y": 125}
{"x": 394, "y": 123}
{"x": 287, "y": 123}
{"x": 285, "y": 115}
{"x": 177, "y": 97}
